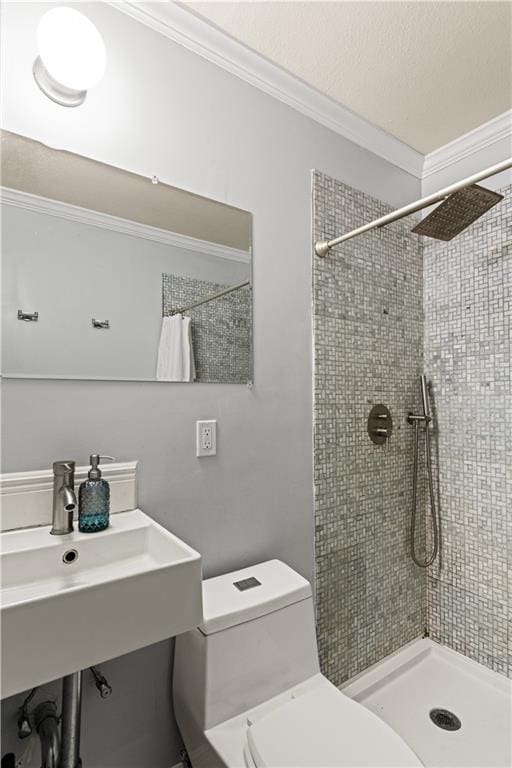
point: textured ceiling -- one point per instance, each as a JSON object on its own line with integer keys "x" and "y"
{"x": 426, "y": 72}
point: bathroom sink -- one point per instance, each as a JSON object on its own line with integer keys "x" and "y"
{"x": 71, "y": 601}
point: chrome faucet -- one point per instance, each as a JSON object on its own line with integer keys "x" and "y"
{"x": 64, "y": 499}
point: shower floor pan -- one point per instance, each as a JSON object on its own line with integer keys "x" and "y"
{"x": 423, "y": 676}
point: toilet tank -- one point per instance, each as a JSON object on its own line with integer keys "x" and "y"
{"x": 256, "y": 640}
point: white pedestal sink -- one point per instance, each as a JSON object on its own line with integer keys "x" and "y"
{"x": 129, "y": 586}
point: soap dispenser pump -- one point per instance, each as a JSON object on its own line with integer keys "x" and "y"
{"x": 94, "y": 498}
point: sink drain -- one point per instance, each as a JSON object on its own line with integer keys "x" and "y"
{"x": 70, "y": 556}
{"x": 445, "y": 719}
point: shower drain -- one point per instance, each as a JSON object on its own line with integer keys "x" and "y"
{"x": 445, "y": 719}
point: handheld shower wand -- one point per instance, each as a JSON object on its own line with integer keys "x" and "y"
{"x": 424, "y": 397}
{"x": 416, "y": 419}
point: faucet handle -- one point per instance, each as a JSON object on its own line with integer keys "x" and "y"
{"x": 63, "y": 467}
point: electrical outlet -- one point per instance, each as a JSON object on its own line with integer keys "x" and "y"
{"x": 206, "y": 438}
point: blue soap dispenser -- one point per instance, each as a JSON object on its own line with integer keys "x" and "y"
{"x": 94, "y": 498}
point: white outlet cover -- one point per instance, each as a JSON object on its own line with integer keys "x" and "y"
{"x": 206, "y": 438}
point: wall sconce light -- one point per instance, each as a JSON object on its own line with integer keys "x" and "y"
{"x": 71, "y": 56}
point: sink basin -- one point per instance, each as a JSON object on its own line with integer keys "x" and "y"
{"x": 71, "y": 601}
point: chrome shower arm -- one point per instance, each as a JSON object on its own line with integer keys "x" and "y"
{"x": 322, "y": 247}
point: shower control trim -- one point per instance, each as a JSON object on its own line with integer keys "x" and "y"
{"x": 380, "y": 425}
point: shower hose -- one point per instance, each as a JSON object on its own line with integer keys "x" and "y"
{"x": 435, "y": 529}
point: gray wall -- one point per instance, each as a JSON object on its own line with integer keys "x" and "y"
{"x": 468, "y": 320}
{"x": 371, "y": 598}
{"x": 169, "y": 112}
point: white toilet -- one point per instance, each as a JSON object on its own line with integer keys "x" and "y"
{"x": 248, "y": 689}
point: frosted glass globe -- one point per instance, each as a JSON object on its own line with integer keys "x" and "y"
{"x": 71, "y": 48}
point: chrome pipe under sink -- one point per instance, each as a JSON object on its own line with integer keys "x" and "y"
{"x": 71, "y": 720}
{"x": 47, "y": 727}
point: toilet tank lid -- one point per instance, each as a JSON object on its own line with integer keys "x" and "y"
{"x": 234, "y": 598}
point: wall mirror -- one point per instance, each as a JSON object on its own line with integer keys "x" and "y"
{"x": 111, "y": 275}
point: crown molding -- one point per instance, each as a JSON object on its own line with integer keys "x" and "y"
{"x": 477, "y": 140}
{"x": 188, "y": 30}
{"x": 62, "y": 210}
{"x": 183, "y": 27}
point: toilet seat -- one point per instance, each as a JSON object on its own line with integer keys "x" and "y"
{"x": 325, "y": 729}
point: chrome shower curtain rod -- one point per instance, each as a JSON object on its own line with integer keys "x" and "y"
{"x": 322, "y": 247}
{"x": 211, "y": 298}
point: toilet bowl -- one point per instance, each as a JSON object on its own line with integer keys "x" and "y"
{"x": 248, "y": 691}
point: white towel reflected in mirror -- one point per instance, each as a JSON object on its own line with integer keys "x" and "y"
{"x": 175, "y": 351}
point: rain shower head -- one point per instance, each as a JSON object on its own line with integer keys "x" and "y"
{"x": 457, "y": 212}
{"x": 460, "y": 205}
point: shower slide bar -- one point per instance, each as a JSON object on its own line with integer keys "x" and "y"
{"x": 211, "y": 298}
{"x": 322, "y": 247}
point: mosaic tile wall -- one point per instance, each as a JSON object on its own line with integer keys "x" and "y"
{"x": 468, "y": 313}
{"x": 221, "y": 329}
{"x": 368, "y": 339}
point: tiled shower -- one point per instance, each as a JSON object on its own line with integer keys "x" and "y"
{"x": 468, "y": 314}
{"x": 381, "y": 302}
{"x": 221, "y": 329}
{"x": 371, "y": 599}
